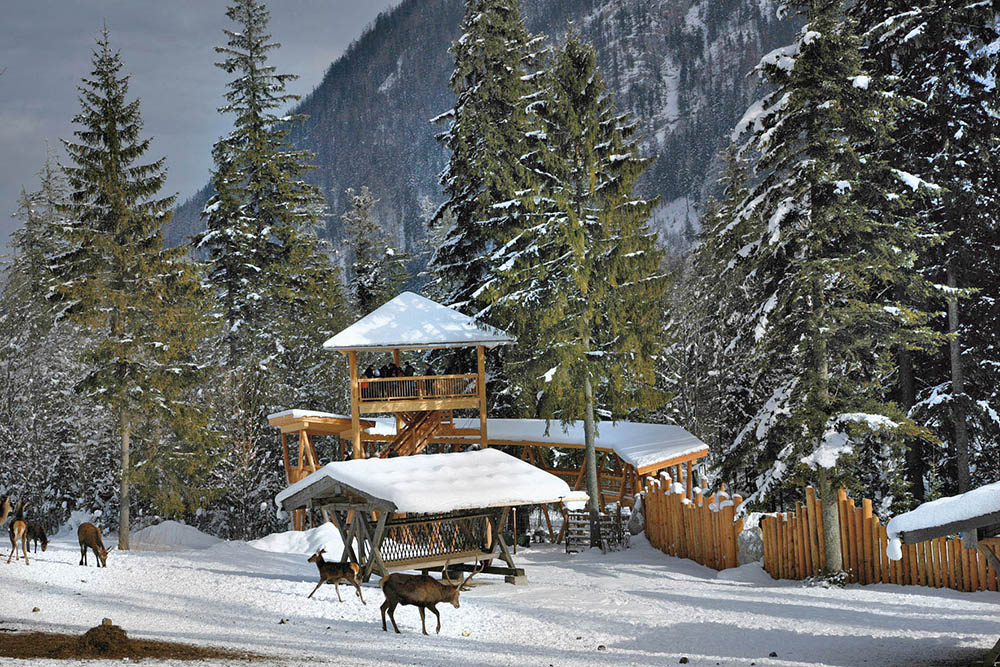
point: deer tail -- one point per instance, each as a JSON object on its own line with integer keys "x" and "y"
{"x": 354, "y": 566}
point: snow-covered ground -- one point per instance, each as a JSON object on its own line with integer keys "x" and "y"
{"x": 642, "y": 606}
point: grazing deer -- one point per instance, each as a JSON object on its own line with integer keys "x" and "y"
{"x": 18, "y": 533}
{"x": 421, "y": 591}
{"x": 334, "y": 573}
{"x": 36, "y": 534}
{"x": 90, "y": 537}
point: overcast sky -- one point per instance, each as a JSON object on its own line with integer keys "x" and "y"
{"x": 167, "y": 47}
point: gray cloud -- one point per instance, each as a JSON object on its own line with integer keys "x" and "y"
{"x": 168, "y": 48}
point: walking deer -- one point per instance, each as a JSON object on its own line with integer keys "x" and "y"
{"x": 36, "y": 534}
{"x": 18, "y": 533}
{"x": 421, "y": 591}
{"x": 333, "y": 573}
{"x": 90, "y": 538}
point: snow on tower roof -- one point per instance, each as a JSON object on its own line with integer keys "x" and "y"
{"x": 949, "y": 512}
{"x": 431, "y": 483}
{"x": 412, "y": 321}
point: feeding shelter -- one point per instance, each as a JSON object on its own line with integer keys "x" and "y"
{"x": 975, "y": 515}
{"x": 427, "y": 511}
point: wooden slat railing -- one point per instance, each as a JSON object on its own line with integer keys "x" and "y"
{"x": 377, "y": 390}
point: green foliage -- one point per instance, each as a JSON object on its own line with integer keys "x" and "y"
{"x": 378, "y": 271}
{"x": 142, "y": 303}
{"x": 823, "y": 247}
{"x": 580, "y": 285}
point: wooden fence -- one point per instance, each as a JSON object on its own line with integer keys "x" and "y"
{"x": 791, "y": 542}
{"x": 703, "y": 529}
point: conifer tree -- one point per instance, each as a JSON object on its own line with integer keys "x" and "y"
{"x": 378, "y": 271}
{"x": 941, "y": 58}
{"x": 278, "y": 291}
{"x": 261, "y": 221}
{"x": 580, "y": 285}
{"x": 141, "y": 301}
{"x": 486, "y": 139}
{"x": 829, "y": 251}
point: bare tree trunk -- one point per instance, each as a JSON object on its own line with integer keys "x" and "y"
{"x": 916, "y": 467}
{"x": 831, "y": 520}
{"x": 123, "y": 496}
{"x": 590, "y": 460}
{"x": 834, "y": 561}
{"x": 958, "y": 392}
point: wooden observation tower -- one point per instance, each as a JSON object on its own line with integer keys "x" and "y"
{"x": 422, "y": 405}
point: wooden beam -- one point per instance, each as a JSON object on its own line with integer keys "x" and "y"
{"x": 966, "y": 525}
{"x": 352, "y": 360}
{"x": 481, "y": 368}
{"x": 418, "y": 404}
{"x": 397, "y": 358}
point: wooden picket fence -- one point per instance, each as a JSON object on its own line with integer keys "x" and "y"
{"x": 794, "y": 549}
{"x": 702, "y": 528}
{"x": 705, "y": 529}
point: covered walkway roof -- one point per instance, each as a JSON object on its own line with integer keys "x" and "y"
{"x": 646, "y": 447}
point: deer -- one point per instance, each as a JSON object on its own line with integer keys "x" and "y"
{"x": 36, "y": 534}
{"x": 18, "y": 533}
{"x": 421, "y": 591}
{"x": 90, "y": 538}
{"x": 331, "y": 572}
{"x": 5, "y": 509}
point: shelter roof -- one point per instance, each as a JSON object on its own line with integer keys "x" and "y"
{"x": 410, "y": 321}
{"x": 312, "y": 421}
{"x": 644, "y": 446}
{"x": 431, "y": 483}
{"x": 946, "y": 516}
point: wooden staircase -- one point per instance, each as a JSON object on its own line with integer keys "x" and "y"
{"x": 414, "y": 437}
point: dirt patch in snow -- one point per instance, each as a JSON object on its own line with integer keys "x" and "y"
{"x": 109, "y": 642}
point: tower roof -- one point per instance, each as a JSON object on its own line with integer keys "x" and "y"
{"x": 410, "y": 321}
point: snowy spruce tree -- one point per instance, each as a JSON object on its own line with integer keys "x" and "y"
{"x": 829, "y": 251}
{"x": 486, "y": 138}
{"x": 579, "y": 285}
{"x": 141, "y": 302}
{"x": 279, "y": 294}
{"x": 378, "y": 270}
{"x": 940, "y": 58}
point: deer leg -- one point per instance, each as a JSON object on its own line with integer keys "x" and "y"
{"x": 24, "y": 550}
{"x": 358, "y": 586}
{"x": 438, "y": 614}
{"x": 392, "y": 616}
{"x": 336, "y": 587}
{"x": 423, "y": 625}
{"x": 316, "y": 589}
{"x": 83, "y": 554}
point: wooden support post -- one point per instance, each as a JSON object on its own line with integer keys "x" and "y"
{"x": 481, "y": 380}
{"x": 288, "y": 463}
{"x": 397, "y": 358}
{"x": 352, "y": 359}
{"x": 690, "y": 484}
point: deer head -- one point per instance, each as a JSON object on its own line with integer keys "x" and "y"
{"x": 317, "y": 557}
{"x": 461, "y": 586}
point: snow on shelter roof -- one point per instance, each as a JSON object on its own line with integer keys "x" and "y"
{"x": 412, "y": 321}
{"x": 947, "y": 514}
{"x": 431, "y": 483}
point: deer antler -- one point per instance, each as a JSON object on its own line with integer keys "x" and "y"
{"x": 444, "y": 572}
{"x": 475, "y": 571}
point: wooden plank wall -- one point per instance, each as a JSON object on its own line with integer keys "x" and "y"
{"x": 794, "y": 549}
{"x": 703, "y": 529}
